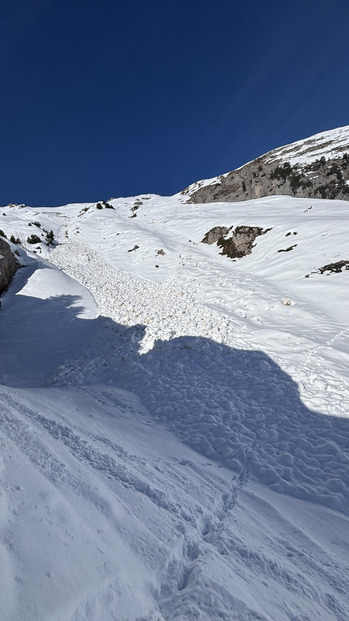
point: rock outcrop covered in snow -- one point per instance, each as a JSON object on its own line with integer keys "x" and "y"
{"x": 240, "y": 242}
{"x": 317, "y": 167}
{"x": 8, "y": 264}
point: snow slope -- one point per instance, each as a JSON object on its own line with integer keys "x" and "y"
{"x": 330, "y": 144}
{"x": 175, "y": 430}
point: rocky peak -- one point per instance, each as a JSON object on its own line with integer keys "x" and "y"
{"x": 317, "y": 167}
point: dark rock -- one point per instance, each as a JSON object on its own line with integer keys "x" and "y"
{"x": 214, "y": 234}
{"x": 239, "y": 244}
{"x": 273, "y": 173}
{"x": 287, "y": 249}
{"x": 336, "y": 267}
{"x": 8, "y": 265}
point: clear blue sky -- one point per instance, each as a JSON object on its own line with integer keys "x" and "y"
{"x": 114, "y": 98}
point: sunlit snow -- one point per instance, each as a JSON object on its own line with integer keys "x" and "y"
{"x": 174, "y": 423}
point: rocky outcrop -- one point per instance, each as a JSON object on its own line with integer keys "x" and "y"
{"x": 215, "y": 234}
{"x": 240, "y": 242}
{"x": 8, "y": 264}
{"x": 314, "y": 168}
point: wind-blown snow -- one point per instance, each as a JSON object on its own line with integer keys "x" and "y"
{"x": 330, "y": 144}
{"x": 175, "y": 435}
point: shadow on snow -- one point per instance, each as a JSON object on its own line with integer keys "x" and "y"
{"x": 231, "y": 405}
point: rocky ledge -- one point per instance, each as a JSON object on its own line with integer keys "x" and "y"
{"x": 8, "y": 265}
{"x": 317, "y": 167}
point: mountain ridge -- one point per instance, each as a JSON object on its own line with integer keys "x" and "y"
{"x": 315, "y": 167}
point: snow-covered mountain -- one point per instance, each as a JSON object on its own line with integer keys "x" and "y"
{"x": 174, "y": 422}
{"x": 317, "y": 167}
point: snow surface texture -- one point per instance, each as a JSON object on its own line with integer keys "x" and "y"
{"x": 174, "y": 424}
{"x": 330, "y": 144}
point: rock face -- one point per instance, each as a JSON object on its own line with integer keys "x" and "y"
{"x": 8, "y": 264}
{"x": 239, "y": 244}
{"x": 215, "y": 234}
{"x": 317, "y": 167}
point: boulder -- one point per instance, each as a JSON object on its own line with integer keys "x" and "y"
{"x": 8, "y": 265}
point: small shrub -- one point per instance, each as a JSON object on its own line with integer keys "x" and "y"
{"x": 15, "y": 240}
{"x": 50, "y": 238}
{"x": 295, "y": 183}
{"x": 99, "y": 206}
{"x": 281, "y": 172}
{"x": 306, "y": 183}
{"x": 33, "y": 239}
{"x": 2, "y": 234}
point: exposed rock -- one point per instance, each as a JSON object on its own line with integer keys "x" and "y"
{"x": 8, "y": 265}
{"x": 214, "y": 234}
{"x": 293, "y": 170}
{"x": 287, "y": 249}
{"x": 336, "y": 267}
{"x": 239, "y": 244}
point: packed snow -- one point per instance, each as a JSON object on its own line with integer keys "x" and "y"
{"x": 330, "y": 144}
{"x": 174, "y": 423}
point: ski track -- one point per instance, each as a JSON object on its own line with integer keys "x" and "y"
{"x": 244, "y": 518}
{"x": 234, "y": 405}
{"x": 200, "y": 538}
{"x": 195, "y": 371}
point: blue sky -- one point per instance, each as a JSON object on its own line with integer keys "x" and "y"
{"x": 115, "y": 98}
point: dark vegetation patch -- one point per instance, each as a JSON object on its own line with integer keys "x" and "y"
{"x": 281, "y": 172}
{"x": 82, "y": 211}
{"x": 50, "y": 238}
{"x": 33, "y": 239}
